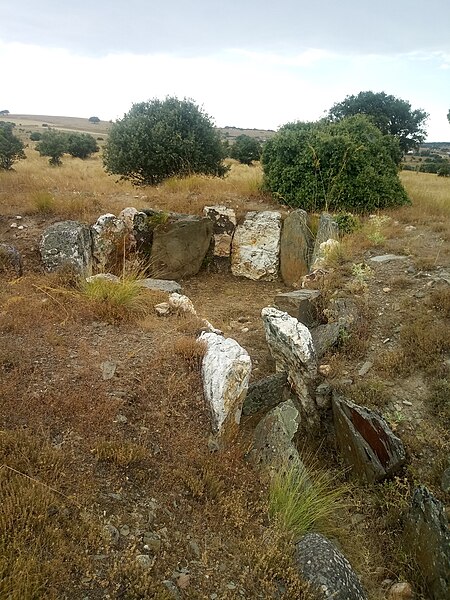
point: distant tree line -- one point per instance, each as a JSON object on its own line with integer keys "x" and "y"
{"x": 55, "y": 144}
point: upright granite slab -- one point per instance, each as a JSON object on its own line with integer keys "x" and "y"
{"x": 365, "y": 441}
{"x": 303, "y": 305}
{"x": 292, "y": 348}
{"x": 328, "y": 229}
{"x": 223, "y": 219}
{"x": 295, "y": 248}
{"x": 109, "y": 235}
{"x": 256, "y": 246}
{"x": 67, "y": 244}
{"x": 226, "y": 369}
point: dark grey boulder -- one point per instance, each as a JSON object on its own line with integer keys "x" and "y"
{"x": 328, "y": 572}
{"x": 303, "y": 305}
{"x": 325, "y": 337}
{"x": 295, "y": 248}
{"x": 344, "y": 311}
{"x": 179, "y": 246}
{"x": 265, "y": 393}
{"x": 67, "y": 244}
{"x": 144, "y": 223}
{"x": 365, "y": 441}
{"x": 427, "y": 537}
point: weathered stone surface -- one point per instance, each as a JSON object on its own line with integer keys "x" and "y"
{"x": 10, "y": 258}
{"x": 181, "y": 303}
{"x": 427, "y": 536}
{"x": 295, "y": 247}
{"x": 300, "y": 304}
{"x": 144, "y": 223}
{"x": 224, "y": 223}
{"x": 226, "y": 369}
{"x": 323, "y": 396}
{"x": 108, "y": 237}
{"x": 365, "y": 441}
{"x": 328, "y": 229}
{"x": 273, "y": 439}
{"x": 162, "y": 285}
{"x": 127, "y": 216}
{"x": 180, "y": 246}
{"x": 292, "y": 348}
{"x": 67, "y": 244}
{"x": 327, "y": 570}
{"x": 265, "y": 393}
{"x": 103, "y": 277}
{"x": 324, "y": 252}
{"x": 386, "y": 258}
{"x": 344, "y": 311}
{"x": 256, "y": 246}
{"x": 400, "y": 591}
{"x": 325, "y": 337}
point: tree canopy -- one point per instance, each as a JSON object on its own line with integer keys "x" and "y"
{"x": 246, "y": 149}
{"x": 162, "y": 138}
{"x": 55, "y": 143}
{"x": 391, "y": 115}
{"x": 11, "y": 147}
{"x": 347, "y": 165}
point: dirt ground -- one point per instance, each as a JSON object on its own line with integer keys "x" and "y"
{"x": 104, "y": 428}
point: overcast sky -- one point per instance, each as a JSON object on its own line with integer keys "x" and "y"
{"x": 248, "y": 64}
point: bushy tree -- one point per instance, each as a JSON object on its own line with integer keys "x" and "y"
{"x": 11, "y": 147}
{"x": 391, "y": 115}
{"x": 161, "y": 138}
{"x": 94, "y": 120}
{"x": 348, "y": 165}
{"x": 81, "y": 145}
{"x": 246, "y": 149}
{"x": 35, "y": 136}
{"x": 448, "y": 116}
{"x": 53, "y": 144}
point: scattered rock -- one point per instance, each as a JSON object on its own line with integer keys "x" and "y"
{"x": 365, "y": 441}
{"x": 162, "y": 309}
{"x": 162, "y": 285}
{"x": 295, "y": 247}
{"x": 325, "y": 251}
{"x": 145, "y": 561}
{"x": 365, "y": 368}
{"x": 344, "y": 311}
{"x": 400, "y": 591}
{"x": 427, "y": 537}
{"x": 265, "y": 393}
{"x": 325, "y": 337}
{"x": 290, "y": 343}
{"x": 67, "y": 244}
{"x": 327, "y": 570}
{"x": 182, "y": 304}
{"x": 152, "y": 542}
{"x": 183, "y": 581}
{"x": 111, "y": 534}
{"x": 224, "y": 224}
{"x": 386, "y": 258}
{"x": 300, "y": 304}
{"x": 256, "y": 246}
{"x": 10, "y": 258}
{"x": 226, "y": 369}
{"x": 108, "y": 369}
{"x": 108, "y": 238}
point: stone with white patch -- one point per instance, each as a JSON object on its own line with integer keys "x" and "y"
{"x": 224, "y": 223}
{"x": 67, "y": 244}
{"x": 108, "y": 237}
{"x": 226, "y": 369}
{"x": 256, "y": 246}
{"x": 291, "y": 345}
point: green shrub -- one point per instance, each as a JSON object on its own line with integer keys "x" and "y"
{"x": 349, "y": 165}
{"x": 347, "y": 222}
{"x": 53, "y": 144}
{"x": 158, "y": 139}
{"x": 11, "y": 147}
{"x": 81, "y": 145}
{"x": 35, "y": 136}
{"x": 246, "y": 149}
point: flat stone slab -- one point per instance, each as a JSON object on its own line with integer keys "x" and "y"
{"x": 162, "y": 285}
{"x": 265, "y": 393}
{"x": 386, "y": 258}
{"x": 300, "y": 304}
{"x": 325, "y": 337}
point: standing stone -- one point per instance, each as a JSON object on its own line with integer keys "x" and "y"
{"x": 325, "y": 251}
{"x": 144, "y": 223}
{"x": 292, "y": 348}
{"x": 224, "y": 224}
{"x": 325, "y": 337}
{"x": 180, "y": 246}
{"x": 427, "y": 536}
{"x": 108, "y": 237}
{"x": 127, "y": 215}
{"x": 327, "y": 570}
{"x": 67, "y": 244}
{"x": 300, "y": 304}
{"x": 295, "y": 248}
{"x": 328, "y": 230}
{"x": 265, "y": 393}
{"x": 256, "y": 246}
{"x": 226, "y": 369}
{"x": 365, "y": 441}
{"x": 273, "y": 440}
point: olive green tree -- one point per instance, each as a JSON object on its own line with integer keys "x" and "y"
{"x": 348, "y": 165}
{"x": 246, "y": 149}
{"x": 162, "y": 138}
{"x": 11, "y": 147}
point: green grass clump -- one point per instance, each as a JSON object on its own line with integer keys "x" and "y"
{"x": 302, "y": 500}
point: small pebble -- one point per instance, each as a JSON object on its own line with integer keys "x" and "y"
{"x": 407, "y": 403}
